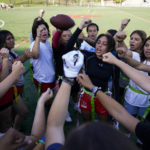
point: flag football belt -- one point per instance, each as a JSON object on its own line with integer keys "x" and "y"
{"x": 16, "y": 94}
{"x": 92, "y": 103}
{"x": 123, "y": 77}
{"x": 148, "y": 108}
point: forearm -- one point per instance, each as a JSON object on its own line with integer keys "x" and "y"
{"x": 21, "y": 58}
{"x": 7, "y": 83}
{"x": 36, "y": 48}
{"x": 117, "y": 111}
{"x": 89, "y": 41}
{"x": 60, "y": 105}
{"x": 5, "y": 69}
{"x": 38, "y": 127}
{"x": 57, "y": 115}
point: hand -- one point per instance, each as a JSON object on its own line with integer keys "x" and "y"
{"x": 39, "y": 30}
{"x": 46, "y": 95}
{"x": 124, "y": 23}
{"x": 120, "y": 36}
{"x": 81, "y": 36}
{"x": 109, "y": 58}
{"x": 12, "y": 140}
{"x": 85, "y": 22}
{"x": 4, "y": 53}
{"x": 122, "y": 52}
{"x": 85, "y": 81}
{"x": 18, "y": 68}
{"x": 41, "y": 13}
{"x": 72, "y": 63}
{"x": 27, "y": 54}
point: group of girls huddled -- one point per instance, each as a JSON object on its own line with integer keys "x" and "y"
{"x": 48, "y": 71}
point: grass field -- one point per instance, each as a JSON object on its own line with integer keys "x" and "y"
{"x": 19, "y": 22}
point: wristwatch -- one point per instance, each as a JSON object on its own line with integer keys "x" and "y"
{"x": 95, "y": 89}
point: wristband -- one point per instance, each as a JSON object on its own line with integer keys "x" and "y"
{"x": 69, "y": 81}
{"x": 41, "y": 141}
{"x": 95, "y": 89}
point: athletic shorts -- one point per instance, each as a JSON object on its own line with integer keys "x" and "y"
{"x": 85, "y": 105}
{"x": 44, "y": 86}
{"x": 134, "y": 110}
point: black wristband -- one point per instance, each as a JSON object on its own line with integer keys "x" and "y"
{"x": 95, "y": 89}
{"x": 68, "y": 80}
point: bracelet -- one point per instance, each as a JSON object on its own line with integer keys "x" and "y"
{"x": 41, "y": 141}
{"x": 68, "y": 80}
{"x": 95, "y": 89}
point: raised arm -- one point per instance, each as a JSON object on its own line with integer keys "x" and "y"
{"x": 27, "y": 54}
{"x": 73, "y": 62}
{"x": 17, "y": 70}
{"x": 112, "y": 106}
{"x": 36, "y": 47}
{"x": 75, "y": 35}
{"x": 4, "y": 53}
{"x": 138, "y": 77}
{"x": 122, "y": 53}
{"x": 38, "y": 127}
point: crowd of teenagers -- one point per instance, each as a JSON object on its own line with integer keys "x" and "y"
{"x": 107, "y": 81}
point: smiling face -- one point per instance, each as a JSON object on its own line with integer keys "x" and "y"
{"x": 92, "y": 32}
{"x": 65, "y": 36}
{"x": 101, "y": 46}
{"x": 147, "y": 50}
{"x": 9, "y": 42}
{"x": 44, "y": 33}
{"x": 135, "y": 42}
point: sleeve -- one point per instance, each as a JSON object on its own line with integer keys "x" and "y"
{"x": 55, "y": 146}
{"x": 56, "y": 40}
{"x": 136, "y": 56}
{"x": 142, "y": 131}
{"x": 31, "y": 46}
{"x": 72, "y": 41}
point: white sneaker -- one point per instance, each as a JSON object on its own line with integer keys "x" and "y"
{"x": 68, "y": 118}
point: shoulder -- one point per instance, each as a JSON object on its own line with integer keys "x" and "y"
{"x": 142, "y": 131}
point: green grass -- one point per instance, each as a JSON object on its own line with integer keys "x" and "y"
{"x": 19, "y": 21}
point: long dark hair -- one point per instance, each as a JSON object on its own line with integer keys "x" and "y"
{"x": 142, "y": 53}
{"x": 110, "y": 42}
{"x": 3, "y": 36}
{"x": 35, "y": 26}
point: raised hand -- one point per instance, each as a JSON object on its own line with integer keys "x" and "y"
{"x": 120, "y": 36}
{"x": 4, "y": 52}
{"x": 124, "y": 23}
{"x": 18, "y": 68}
{"x": 72, "y": 63}
{"x": 46, "y": 95}
{"x": 84, "y": 81}
{"x": 121, "y": 51}
{"x": 109, "y": 58}
{"x": 85, "y": 22}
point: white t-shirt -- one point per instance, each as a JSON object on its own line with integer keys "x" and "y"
{"x": 86, "y": 46}
{"x": 43, "y": 67}
{"x": 133, "y": 98}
